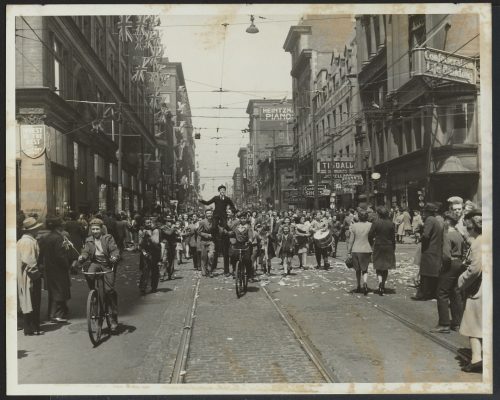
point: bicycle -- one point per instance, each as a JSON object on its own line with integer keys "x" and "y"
{"x": 98, "y": 307}
{"x": 241, "y": 274}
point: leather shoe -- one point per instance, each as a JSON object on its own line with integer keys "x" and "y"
{"x": 474, "y": 367}
{"x": 455, "y": 328}
{"x": 440, "y": 329}
{"x": 419, "y": 298}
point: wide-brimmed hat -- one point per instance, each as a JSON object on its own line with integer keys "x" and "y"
{"x": 31, "y": 223}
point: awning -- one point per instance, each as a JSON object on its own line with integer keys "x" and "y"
{"x": 453, "y": 165}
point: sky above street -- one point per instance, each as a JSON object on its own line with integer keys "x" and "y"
{"x": 254, "y": 65}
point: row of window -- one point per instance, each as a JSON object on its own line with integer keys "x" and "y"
{"x": 449, "y": 125}
{"x": 57, "y": 150}
{"x": 95, "y": 33}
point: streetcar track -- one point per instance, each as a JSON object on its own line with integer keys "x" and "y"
{"x": 415, "y": 328}
{"x": 304, "y": 341}
{"x": 179, "y": 370}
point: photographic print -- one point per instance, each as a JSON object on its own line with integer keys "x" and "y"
{"x": 215, "y": 199}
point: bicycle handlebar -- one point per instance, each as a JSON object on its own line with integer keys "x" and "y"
{"x": 97, "y": 272}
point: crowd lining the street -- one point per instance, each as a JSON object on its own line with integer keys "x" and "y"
{"x": 448, "y": 252}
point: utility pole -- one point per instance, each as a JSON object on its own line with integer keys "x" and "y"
{"x": 120, "y": 148}
{"x": 275, "y": 197}
{"x": 120, "y": 133}
{"x": 314, "y": 156}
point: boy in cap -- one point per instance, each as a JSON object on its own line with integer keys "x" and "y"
{"x": 221, "y": 203}
{"x": 102, "y": 252}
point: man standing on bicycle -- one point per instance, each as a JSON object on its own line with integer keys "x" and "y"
{"x": 243, "y": 234}
{"x": 102, "y": 252}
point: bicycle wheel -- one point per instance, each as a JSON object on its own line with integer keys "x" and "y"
{"x": 94, "y": 318}
{"x": 245, "y": 278}
{"x": 239, "y": 280}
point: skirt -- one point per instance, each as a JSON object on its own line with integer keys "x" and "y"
{"x": 360, "y": 261}
{"x": 384, "y": 257}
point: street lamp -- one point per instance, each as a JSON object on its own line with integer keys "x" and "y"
{"x": 252, "y": 28}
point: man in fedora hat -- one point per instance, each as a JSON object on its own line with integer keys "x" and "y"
{"x": 221, "y": 203}
{"x": 29, "y": 282}
{"x": 432, "y": 253}
{"x": 54, "y": 252}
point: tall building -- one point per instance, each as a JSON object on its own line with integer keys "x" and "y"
{"x": 311, "y": 45}
{"x": 337, "y": 116}
{"x": 72, "y": 72}
{"x": 179, "y": 148}
{"x": 270, "y": 149}
{"x": 419, "y": 87}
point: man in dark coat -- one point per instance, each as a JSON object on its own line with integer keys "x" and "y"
{"x": 432, "y": 253}
{"x": 54, "y": 253}
{"x": 77, "y": 235}
{"x": 221, "y": 203}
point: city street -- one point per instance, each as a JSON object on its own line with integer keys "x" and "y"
{"x": 306, "y": 327}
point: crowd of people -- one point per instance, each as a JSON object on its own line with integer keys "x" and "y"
{"x": 448, "y": 252}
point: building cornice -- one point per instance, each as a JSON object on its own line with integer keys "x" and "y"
{"x": 293, "y": 34}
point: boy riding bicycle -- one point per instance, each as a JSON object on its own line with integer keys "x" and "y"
{"x": 241, "y": 236}
{"x": 103, "y": 254}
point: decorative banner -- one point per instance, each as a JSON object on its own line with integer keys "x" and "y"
{"x": 33, "y": 140}
{"x": 124, "y": 28}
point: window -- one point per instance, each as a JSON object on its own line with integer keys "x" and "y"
{"x": 58, "y": 56}
{"x": 335, "y": 118}
{"x": 100, "y": 40}
{"x": 341, "y": 113}
{"x": 61, "y": 194}
{"x": 58, "y": 147}
{"x": 408, "y": 135}
{"x": 86, "y": 28}
{"x": 417, "y": 131}
{"x": 416, "y": 24}
{"x": 347, "y": 150}
{"x": 348, "y": 106}
{"x": 417, "y": 34}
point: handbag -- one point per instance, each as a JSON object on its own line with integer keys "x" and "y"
{"x": 33, "y": 271}
{"x": 348, "y": 261}
{"x": 471, "y": 290}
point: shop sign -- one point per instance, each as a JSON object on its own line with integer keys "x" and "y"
{"x": 322, "y": 191}
{"x": 350, "y": 180}
{"x": 33, "y": 140}
{"x": 444, "y": 65}
{"x": 276, "y": 113}
{"x": 339, "y": 167}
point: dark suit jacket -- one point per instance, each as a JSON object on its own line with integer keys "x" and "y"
{"x": 220, "y": 205}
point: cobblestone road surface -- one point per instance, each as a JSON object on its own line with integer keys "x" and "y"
{"x": 245, "y": 340}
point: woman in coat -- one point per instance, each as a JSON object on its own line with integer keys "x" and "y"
{"x": 470, "y": 283}
{"x": 29, "y": 283}
{"x": 54, "y": 251}
{"x": 382, "y": 239}
{"x": 360, "y": 250}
